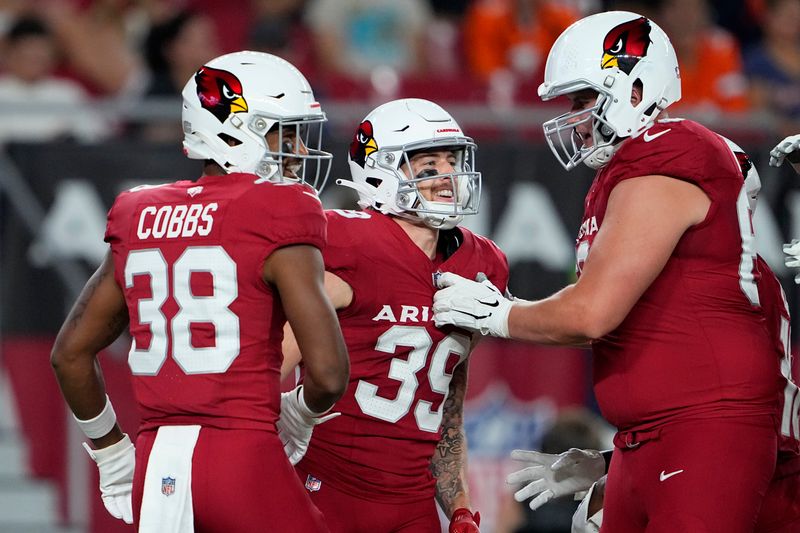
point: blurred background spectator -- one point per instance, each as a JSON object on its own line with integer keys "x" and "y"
{"x": 100, "y": 41}
{"x": 174, "y": 49}
{"x": 515, "y": 35}
{"x": 369, "y": 40}
{"x": 39, "y": 105}
{"x": 712, "y": 79}
{"x": 278, "y": 28}
{"x": 773, "y": 64}
{"x": 127, "y": 60}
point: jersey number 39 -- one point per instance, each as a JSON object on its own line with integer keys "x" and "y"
{"x": 405, "y": 371}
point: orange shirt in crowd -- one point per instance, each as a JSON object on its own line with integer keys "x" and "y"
{"x": 494, "y": 38}
{"x": 714, "y": 77}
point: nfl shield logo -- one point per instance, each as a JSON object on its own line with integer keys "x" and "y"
{"x": 167, "y": 485}
{"x": 313, "y": 484}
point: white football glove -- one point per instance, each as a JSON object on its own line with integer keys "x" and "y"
{"x": 581, "y": 522}
{"x": 549, "y": 476}
{"x": 471, "y": 305}
{"x": 792, "y": 259}
{"x": 116, "y": 463}
{"x": 296, "y": 424}
{"x": 782, "y": 150}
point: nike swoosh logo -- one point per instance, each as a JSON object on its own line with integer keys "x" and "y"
{"x": 476, "y": 317}
{"x": 493, "y": 304}
{"x": 664, "y": 476}
{"x": 647, "y": 137}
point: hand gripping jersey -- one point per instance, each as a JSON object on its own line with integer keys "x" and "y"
{"x": 695, "y": 344}
{"x": 776, "y": 311}
{"x": 206, "y": 329}
{"x": 400, "y": 364}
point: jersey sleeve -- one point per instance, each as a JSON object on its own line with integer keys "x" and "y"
{"x": 492, "y": 261}
{"x": 118, "y": 217}
{"x": 341, "y": 253}
{"x": 677, "y": 150}
{"x": 282, "y": 215}
{"x": 499, "y": 266}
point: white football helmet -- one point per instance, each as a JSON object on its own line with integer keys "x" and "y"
{"x": 608, "y": 53}
{"x": 234, "y": 100}
{"x": 752, "y": 181}
{"x": 381, "y": 151}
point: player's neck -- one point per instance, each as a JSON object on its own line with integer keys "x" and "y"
{"x": 424, "y": 237}
{"x": 212, "y": 169}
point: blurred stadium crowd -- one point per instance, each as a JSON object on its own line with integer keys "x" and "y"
{"x": 123, "y": 63}
{"x": 735, "y": 55}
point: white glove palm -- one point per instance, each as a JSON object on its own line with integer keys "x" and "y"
{"x": 792, "y": 259}
{"x": 471, "y": 305}
{"x": 116, "y": 464}
{"x": 783, "y": 150}
{"x": 549, "y": 476}
{"x": 296, "y": 424}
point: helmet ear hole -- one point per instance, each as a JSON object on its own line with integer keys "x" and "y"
{"x": 230, "y": 140}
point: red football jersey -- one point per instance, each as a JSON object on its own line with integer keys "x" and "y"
{"x": 695, "y": 342}
{"x": 206, "y": 329}
{"x": 776, "y": 310}
{"x": 381, "y": 446}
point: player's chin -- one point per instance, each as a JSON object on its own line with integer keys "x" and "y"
{"x": 291, "y": 173}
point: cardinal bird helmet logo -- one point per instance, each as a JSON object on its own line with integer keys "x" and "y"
{"x": 220, "y": 92}
{"x": 363, "y": 144}
{"x": 626, "y": 44}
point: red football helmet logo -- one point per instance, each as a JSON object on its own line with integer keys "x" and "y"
{"x": 626, "y": 44}
{"x": 363, "y": 144}
{"x": 220, "y": 92}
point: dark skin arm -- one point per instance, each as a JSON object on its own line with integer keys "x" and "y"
{"x": 297, "y": 273}
{"x": 98, "y": 317}
{"x": 449, "y": 461}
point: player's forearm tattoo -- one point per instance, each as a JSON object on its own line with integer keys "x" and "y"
{"x": 449, "y": 459}
{"x": 115, "y": 326}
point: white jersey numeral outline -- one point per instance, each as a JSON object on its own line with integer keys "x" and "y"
{"x": 405, "y": 371}
{"x": 747, "y": 261}
{"x": 214, "y": 309}
{"x": 790, "y": 419}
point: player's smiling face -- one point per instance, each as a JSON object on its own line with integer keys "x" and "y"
{"x": 435, "y": 162}
{"x": 289, "y": 142}
{"x": 584, "y": 123}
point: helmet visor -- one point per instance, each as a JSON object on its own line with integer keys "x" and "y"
{"x": 430, "y": 192}
{"x": 295, "y": 145}
{"x": 565, "y": 141}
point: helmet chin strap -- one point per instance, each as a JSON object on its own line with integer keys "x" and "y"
{"x": 266, "y": 170}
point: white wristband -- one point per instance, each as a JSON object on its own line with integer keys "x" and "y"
{"x": 100, "y": 425}
{"x": 305, "y": 410}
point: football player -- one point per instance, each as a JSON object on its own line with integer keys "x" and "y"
{"x": 399, "y": 443}
{"x": 667, "y": 290}
{"x": 787, "y": 149}
{"x": 204, "y": 274}
{"x": 548, "y": 476}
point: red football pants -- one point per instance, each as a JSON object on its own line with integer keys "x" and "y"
{"x": 350, "y": 514}
{"x": 780, "y": 511}
{"x": 695, "y": 476}
{"x": 241, "y": 482}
